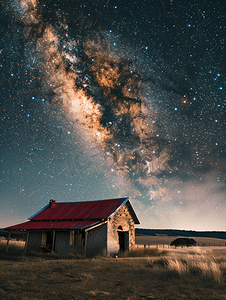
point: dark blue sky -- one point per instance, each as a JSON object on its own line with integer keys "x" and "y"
{"x": 104, "y": 99}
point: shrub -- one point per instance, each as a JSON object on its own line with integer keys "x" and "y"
{"x": 183, "y": 242}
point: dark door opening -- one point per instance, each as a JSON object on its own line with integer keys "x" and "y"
{"x": 123, "y": 240}
{"x": 49, "y": 239}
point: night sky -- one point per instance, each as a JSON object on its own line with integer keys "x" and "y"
{"x": 107, "y": 99}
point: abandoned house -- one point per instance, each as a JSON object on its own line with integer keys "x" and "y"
{"x": 89, "y": 227}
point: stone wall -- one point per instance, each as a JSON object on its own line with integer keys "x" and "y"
{"x": 124, "y": 220}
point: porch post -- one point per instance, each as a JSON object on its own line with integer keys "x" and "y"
{"x": 53, "y": 242}
{"x": 25, "y": 248}
{"x": 86, "y": 234}
{"x": 7, "y": 245}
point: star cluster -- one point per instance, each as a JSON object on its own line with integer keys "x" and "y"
{"x": 103, "y": 99}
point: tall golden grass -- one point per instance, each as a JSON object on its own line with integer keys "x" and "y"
{"x": 203, "y": 266}
{"x": 196, "y": 275}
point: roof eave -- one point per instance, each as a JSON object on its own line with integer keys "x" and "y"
{"x": 35, "y": 214}
{"x": 113, "y": 214}
{"x": 94, "y": 226}
{"x": 136, "y": 221}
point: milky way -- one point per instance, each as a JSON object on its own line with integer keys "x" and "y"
{"x": 104, "y": 99}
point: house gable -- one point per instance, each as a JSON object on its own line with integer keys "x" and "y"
{"x": 122, "y": 221}
{"x": 130, "y": 208}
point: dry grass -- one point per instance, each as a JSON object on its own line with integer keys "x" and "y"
{"x": 14, "y": 246}
{"x": 145, "y": 252}
{"x": 195, "y": 275}
{"x": 203, "y": 266}
{"x": 166, "y": 240}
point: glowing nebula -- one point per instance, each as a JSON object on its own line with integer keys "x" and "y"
{"x": 138, "y": 107}
{"x": 98, "y": 88}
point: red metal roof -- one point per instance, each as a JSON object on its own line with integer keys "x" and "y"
{"x": 53, "y": 225}
{"x": 80, "y": 210}
{"x": 74, "y": 215}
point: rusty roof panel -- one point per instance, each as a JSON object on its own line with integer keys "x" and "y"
{"x": 106, "y": 209}
{"x": 85, "y": 215}
{"x": 101, "y": 209}
{"x": 83, "y": 210}
{"x": 53, "y": 225}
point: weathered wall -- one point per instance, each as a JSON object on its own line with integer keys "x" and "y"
{"x": 122, "y": 218}
{"x": 64, "y": 244}
{"x": 112, "y": 239}
{"x": 62, "y": 239}
{"x": 34, "y": 240}
{"x": 97, "y": 240}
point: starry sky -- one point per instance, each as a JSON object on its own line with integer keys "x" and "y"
{"x": 106, "y": 98}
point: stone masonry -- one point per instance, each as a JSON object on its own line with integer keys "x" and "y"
{"x": 121, "y": 221}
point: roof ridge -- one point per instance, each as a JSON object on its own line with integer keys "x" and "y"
{"x": 82, "y": 201}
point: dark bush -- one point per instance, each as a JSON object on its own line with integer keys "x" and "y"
{"x": 183, "y": 242}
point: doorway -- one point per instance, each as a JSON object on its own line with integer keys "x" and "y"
{"x": 49, "y": 239}
{"x": 123, "y": 240}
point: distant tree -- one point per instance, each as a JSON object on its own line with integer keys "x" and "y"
{"x": 183, "y": 242}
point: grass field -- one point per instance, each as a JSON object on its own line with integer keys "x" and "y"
{"x": 182, "y": 273}
{"x": 166, "y": 240}
{"x": 159, "y": 240}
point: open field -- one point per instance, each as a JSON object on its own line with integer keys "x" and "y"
{"x": 159, "y": 240}
{"x": 183, "y": 273}
{"x": 166, "y": 240}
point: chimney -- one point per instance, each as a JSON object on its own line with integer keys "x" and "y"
{"x": 52, "y": 203}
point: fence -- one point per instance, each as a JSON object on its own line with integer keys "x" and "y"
{"x": 167, "y": 246}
